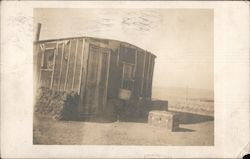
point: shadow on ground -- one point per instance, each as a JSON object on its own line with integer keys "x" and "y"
{"x": 188, "y": 118}
{"x": 184, "y": 118}
{"x": 183, "y": 130}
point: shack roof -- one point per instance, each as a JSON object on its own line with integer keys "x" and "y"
{"x": 93, "y": 38}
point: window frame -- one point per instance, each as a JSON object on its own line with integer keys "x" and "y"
{"x": 124, "y": 79}
{"x": 43, "y": 59}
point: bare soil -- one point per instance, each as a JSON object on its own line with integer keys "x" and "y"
{"x": 199, "y": 131}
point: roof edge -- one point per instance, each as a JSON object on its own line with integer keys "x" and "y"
{"x": 78, "y": 37}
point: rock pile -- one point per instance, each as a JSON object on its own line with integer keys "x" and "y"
{"x": 59, "y": 105}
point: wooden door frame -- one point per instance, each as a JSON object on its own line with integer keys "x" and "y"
{"x": 107, "y": 77}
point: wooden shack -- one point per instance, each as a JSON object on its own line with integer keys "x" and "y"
{"x": 98, "y": 70}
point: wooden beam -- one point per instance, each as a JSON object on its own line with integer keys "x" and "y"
{"x": 67, "y": 69}
{"x": 99, "y": 73}
{"x": 54, "y": 63}
{"x": 143, "y": 72}
{"x": 80, "y": 76}
{"x": 41, "y": 64}
{"x": 151, "y": 76}
{"x": 60, "y": 74}
{"x": 107, "y": 80}
{"x": 118, "y": 56}
{"x": 85, "y": 67}
{"x": 35, "y": 66}
{"x": 122, "y": 75}
{"x": 86, "y": 73}
{"x": 74, "y": 71}
{"x": 50, "y": 48}
{"x": 134, "y": 71}
{"x": 135, "y": 62}
{"x": 38, "y": 30}
{"x": 148, "y": 74}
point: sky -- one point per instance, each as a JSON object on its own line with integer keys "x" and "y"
{"x": 182, "y": 39}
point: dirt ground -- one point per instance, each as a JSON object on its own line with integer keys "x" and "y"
{"x": 194, "y": 130}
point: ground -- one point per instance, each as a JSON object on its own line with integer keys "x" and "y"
{"x": 199, "y": 131}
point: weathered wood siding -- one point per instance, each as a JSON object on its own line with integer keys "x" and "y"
{"x": 139, "y": 73}
{"x": 151, "y": 75}
{"x": 143, "y": 66}
{"x": 82, "y": 109}
{"x": 66, "y": 71}
{"x": 114, "y": 76}
{"x": 93, "y": 96}
{"x": 94, "y": 68}
{"x": 148, "y": 75}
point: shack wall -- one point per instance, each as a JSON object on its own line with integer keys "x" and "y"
{"x": 71, "y": 65}
{"x": 65, "y": 72}
{"x": 139, "y": 74}
{"x": 143, "y": 63}
{"x": 94, "y": 83}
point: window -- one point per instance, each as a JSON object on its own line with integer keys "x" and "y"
{"x": 128, "y": 76}
{"x": 127, "y": 54}
{"x": 128, "y": 71}
{"x": 48, "y": 59}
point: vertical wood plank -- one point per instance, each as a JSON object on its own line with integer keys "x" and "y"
{"x": 60, "y": 73}
{"x": 118, "y": 56}
{"x": 82, "y": 107}
{"x": 80, "y": 76}
{"x": 134, "y": 71}
{"x": 136, "y": 52}
{"x": 143, "y": 72}
{"x": 99, "y": 71}
{"x": 151, "y": 75}
{"x": 64, "y": 64}
{"x": 35, "y": 65}
{"x": 122, "y": 74}
{"x": 54, "y": 63}
{"x": 74, "y": 70}
{"x": 40, "y": 73}
{"x": 67, "y": 69}
{"x": 107, "y": 80}
{"x": 148, "y": 75}
{"x": 85, "y": 67}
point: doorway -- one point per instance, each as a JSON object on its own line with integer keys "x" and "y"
{"x": 96, "y": 80}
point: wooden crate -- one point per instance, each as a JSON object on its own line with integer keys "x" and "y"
{"x": 164, "y": 119}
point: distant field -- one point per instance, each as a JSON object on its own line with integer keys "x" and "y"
{"x": 195, "y": 101}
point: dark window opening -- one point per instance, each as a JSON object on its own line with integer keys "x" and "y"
{"x": 48, "y": 59}
{"x": 128, "y": 72}
{"x": 128, "y": 76}
{"x": 127, "y": 54}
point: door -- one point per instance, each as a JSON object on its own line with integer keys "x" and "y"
{"x": 97, "y": 79}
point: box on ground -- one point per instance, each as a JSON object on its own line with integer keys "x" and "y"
{"x": 165, "y": 119}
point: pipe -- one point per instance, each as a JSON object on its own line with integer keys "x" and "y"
{"x": 38, "y": 29}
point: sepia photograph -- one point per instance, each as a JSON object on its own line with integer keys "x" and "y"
{"x": 125, "y": 79}
{"x": 106, "y": 76}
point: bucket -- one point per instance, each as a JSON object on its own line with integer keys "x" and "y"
{"x": 124, "y": 94}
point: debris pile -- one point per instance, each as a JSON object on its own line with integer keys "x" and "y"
{"x": 59, "y": 105}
